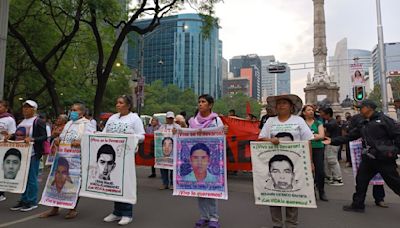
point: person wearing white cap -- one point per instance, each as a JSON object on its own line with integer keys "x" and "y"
{"x": 170, "y": 125}
{"x": 36, "y": 133}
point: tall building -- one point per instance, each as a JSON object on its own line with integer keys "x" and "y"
{"x": 273, "y": 84}
{"x": 248, "y": 61}
{"x": 177, "y": 53}
{"x": 224, "y": 67}
{"x": 340, "y": 67}
{"x": 392, "y": 56}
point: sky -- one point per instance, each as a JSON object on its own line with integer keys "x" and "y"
{"x": 284, "y": 28}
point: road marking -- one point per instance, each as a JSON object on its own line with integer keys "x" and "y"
{"x": 21, "y": 220}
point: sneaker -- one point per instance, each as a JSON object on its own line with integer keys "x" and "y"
{"x": 336, "y": 182}
{"x": 381, "y": 204}
{"x": 328, "y": 180}
{"x": 111, "y": 218}
{"x": 17, "y": 207}
{"x": 353, "y": 209}
{"x": 2, "y": 198}
{"x": 28, "y": 207}
{"x": 125, "y": 220}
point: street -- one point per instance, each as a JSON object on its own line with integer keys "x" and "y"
{"x": 156, "y": 208}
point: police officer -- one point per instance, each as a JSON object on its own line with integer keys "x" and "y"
{"x": 381, "y": 143}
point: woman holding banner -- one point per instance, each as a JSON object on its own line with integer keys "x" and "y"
{"x": 317, "y": 128}
{"x": 124, "y": 122}
{"x": 285, "y": 123}
{"x": 205, "y": 118}
{"x": 72, "y": 134}
{"x": 7, "y": 127}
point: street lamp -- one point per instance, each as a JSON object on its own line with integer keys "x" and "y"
{"x": 139, "y": 92}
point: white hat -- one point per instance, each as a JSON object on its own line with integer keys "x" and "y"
{"x": 294, "y": 99}
{"x": 31, "y": 103}
{"x": 170, "y": 115}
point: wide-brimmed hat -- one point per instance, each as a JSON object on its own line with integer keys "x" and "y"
{"x": 294, "y": 99}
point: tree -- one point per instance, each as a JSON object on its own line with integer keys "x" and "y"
{"x": 238, "y": 103}
{"x": 376, "y": 96}
{"x": 55, "y": 29}
{"x": 170, "y": 98}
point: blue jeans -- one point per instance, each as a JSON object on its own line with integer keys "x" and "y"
{"x": 208, "y": 209}
{"x": 32, "y": 186}
{"x": 166, "y": 179}
{"x": 123, "y": 209}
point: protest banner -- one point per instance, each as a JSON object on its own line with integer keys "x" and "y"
{"x": 163, "y": 149}
{"x": 108, "y": 167}
{"x": 200, "y": 164}
{"x": 282, "y": 174}
{"x": 64, "y": 181}
{"x": 15, "y": 159}
{"x": 356, "y": 149}
{"x": 240, "y": 133}
{"x": 50, "y": 158}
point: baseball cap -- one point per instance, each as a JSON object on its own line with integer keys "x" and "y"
{"x": 170, "y": 115}
{"x": 367, "y": 103}
{"x": 31, "y": 103}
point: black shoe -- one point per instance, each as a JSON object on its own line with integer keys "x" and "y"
{"x": 322, "y": 196}
{"x": 17, "y": 207}
{"x": 152, "y": 175}
{"x": 353, "y": 209}
{"x": 28, "y": 207}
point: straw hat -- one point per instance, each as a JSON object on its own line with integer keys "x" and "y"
{"x": 294, "y": 99}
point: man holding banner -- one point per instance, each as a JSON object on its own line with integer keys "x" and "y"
{"x": 286, "y": 126}
{"x": 169, "y": 129}
{"x": 36, "y": 134}
{"x": 66, "y": 168}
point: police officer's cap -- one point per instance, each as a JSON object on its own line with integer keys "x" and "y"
{"x": 368, "y": 103}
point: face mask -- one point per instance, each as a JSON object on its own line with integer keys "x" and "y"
{"x": 74, "y": 116}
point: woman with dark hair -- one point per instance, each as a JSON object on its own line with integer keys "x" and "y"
{"x": 317, "y": 146}
{"x": 124, "y": 122}
{"x": 205, "y": 118}
{"x": 286, "y": 126}
{"x": 7, "y": 127}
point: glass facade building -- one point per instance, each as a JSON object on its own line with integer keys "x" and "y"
{"x": 392, "y": 56}
{"x": 178, "y": 53}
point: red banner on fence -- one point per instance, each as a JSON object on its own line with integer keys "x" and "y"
{"x": 240, "y": 133}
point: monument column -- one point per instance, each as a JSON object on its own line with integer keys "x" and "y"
{"x": 320, "y": 51}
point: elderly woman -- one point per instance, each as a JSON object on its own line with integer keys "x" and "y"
{"x": 286, "y": 126}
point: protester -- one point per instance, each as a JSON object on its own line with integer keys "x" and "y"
{"x": 317, "y": 129}
{"x": 264, "y": 118}
{"x": 169, "y": 126}
{"x": 154, "y": 126}
{"x": 7, "y": 127}
{"x": 124, "y": 122}
{"x": 345, "y": 131}
{"x": 232, "y": 112}
{"x": 72, "y": 134}
{"x": 286, "y": 107}
{"x": 180, "y": 120}
{"x": 205, "y": 118}
{"x": 58, "y": 126}
{"x": 35, "y": 133}
{"x": 381, "y": 142}
{"x": 332, "y": 167}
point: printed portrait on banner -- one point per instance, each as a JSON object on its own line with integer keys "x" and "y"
{"x": 201, "y": 165}
{"x": 14, "y": 162}
{"x": 63, "y": 183}
{"x": 108, "y": 169}
{"x": 282, "y": 174}
{"x": 164, "y": 149}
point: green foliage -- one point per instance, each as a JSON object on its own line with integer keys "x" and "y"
{"x": 238, "y": 103}
{"x": 159, "y": 98}
{"x": 376, "y": 96}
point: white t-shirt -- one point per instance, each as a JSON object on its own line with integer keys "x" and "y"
{"x": 7, "y": 124}
{"x": 74, "y": 130}
{"x": 295, "y": 126}
{"x": 128, "y": 124}
{"x": 28, "y": 125}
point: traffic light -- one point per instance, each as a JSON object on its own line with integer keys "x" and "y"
{"x": 359, "y": 93}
